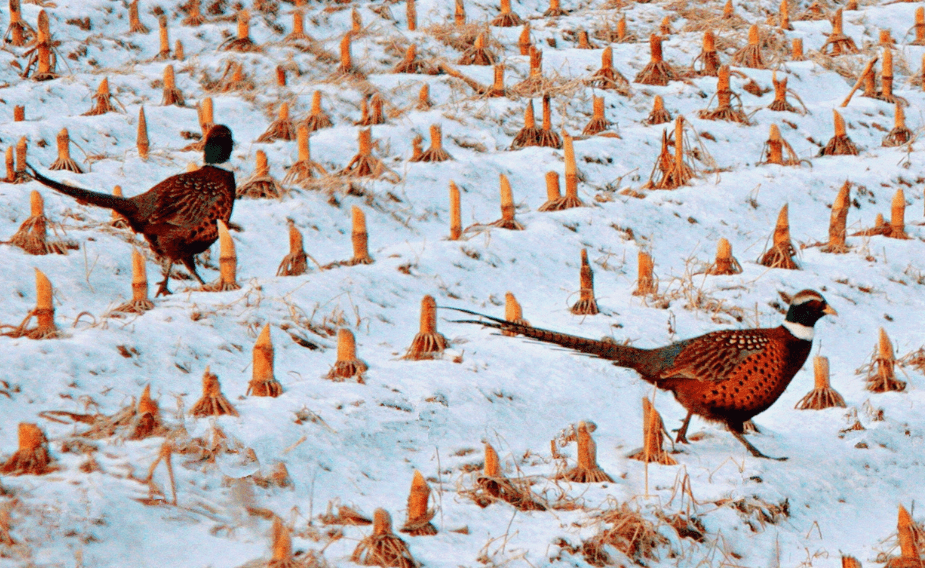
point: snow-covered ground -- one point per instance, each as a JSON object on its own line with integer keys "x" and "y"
{"x": 358, "y": 444}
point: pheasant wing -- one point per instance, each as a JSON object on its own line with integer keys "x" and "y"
{"x": 184, "y": 201}
{"x": 714, "y": 356}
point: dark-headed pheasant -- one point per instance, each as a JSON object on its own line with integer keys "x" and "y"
{"x": 725, "y": 376}
{"x": 177, "y": 216}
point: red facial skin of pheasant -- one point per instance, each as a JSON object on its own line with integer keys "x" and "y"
{"x": 177, "y": 216}
{"x": 726, "y": 376}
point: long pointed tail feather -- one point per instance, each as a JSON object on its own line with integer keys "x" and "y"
{"x": 119, "y": 204}
{"x": 621, "y": 355}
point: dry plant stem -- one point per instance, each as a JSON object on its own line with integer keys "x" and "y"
{"x": 493, "y": 486}
{"x": 479, "y": 53}
{"x": 280, "y": 129}
{"x": 587, "y": 470}
{"x": 263, "y": 382}
{"x": 412, "y": 14}
{"x": 840, "y": 144}
{"x": 524, "y": 42}
{"x": 142, "y": 141}
{"x": 317, "y": 119}
{"x": 32, "y": 236}
{"x": 838, "y": 221}
{"x": 147, "y": 418}
{"x": 653, "y": 437}
{"x": 900, "y": 134}
{"x": 242, "y": 41}
{"x": 455, "y": 213}
{"x": 18, "y": 32}
{"x": 513, "y": 312}
{"x": 778, "y": 151}
{"x": 780, "y": 103}
{"x": 919, "y": 26}
{"x": 360, "y": 238}
{"x": 571, "y": 198}
{"x": 435, "y": 153}
{"x": 823, "y": 395}
{"x": 708, "y": 58}
{"x": 645, "y": 282}
{"x": 657, "y": 72}
{"x": 43, "y": 57}
{"x": 64, "y": 161}
{"x": 507, "y": 220}
{"x": 796, "y": 49}
{"x": 837, "y": 43}
{"x": 459, "y": 16}
{"x": 886, "y": 80}
{"x": 227, "y": 262}
{"x": 372, "y": 111}
{"x": 347, "y": 366}
{"x": 529, "y": 135}
{"x": 164, "y": 52}
{"x": 671, "y": 171}
{"x": 428, "y": 343}
{"x": 881, "y": 374}
{"x": 750, "y": 55}
{"x": 658, "y": 115}
{"x": 554, "y": 10}
{"x": 507, "y": 18}
{"x": 135, "y": 25}
{"x": 419, "y": 516}
{"x": 724, "y": 109}
{"x": 424, "y": 98}
{"x": 19, "y": 113}
{"x": 295, "y": 263}
{"x": 898, "y": 216}
{"x": 784, "y": 17}
{"x": 172, "y": 95}
{"x": 101, "y": 101}
{"x": 908, "y": 533}
{"x": 282, "y": 547}
{"x": 44, "y": 313}
{"x": 725, "y": 263}
{"x": 20, "y": 175}
{"x": 261, "y": 185}
{"x": 140, "y": 302}
{"x": 303, "y": 172}
{"x": 781, "y": 253}
{"x": 586, "y": 304}
{"x": 298, "y": 35}
{"x": 31, "y": 458}
{"x": 383, "y": 548}
{"x": 607, "y": 77}
{"x": 194, "y": 16}
{"x": 547, "y": 136}
{"x": 213, "y": 402}
{"x": 364, "y": 164}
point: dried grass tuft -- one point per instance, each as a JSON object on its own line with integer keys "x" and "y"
{"x": 435, "y": 153}
{"x": 479, "y": 53}
{"x": 213, "y": 402}
{"x": 586, "y": 304}
{"x": 900, "y": 134}
{"x": 32, "y": 235}
{"x": 781, "y": 253}
{"x": 428, "y": 343}
{"x": 778, "y": 151}
{"x": 879, "y": 373}
{"x": 653, "y": 437}
{"x": 31, "y": 458}
{"x": 587, "y": 470}
{"x": 625, "y": 530}
{"x": 724, "y": 108}
{"x": 419, "y": 516}
{"x": 364, "y": 164}
{"x": 347, "y": 366}
{"x": 750, "y": 55}
{"x": 840, "y": 144}
{"x": 725, "y": 263}
{"x": 140, "y": 303}
{"x": 263, "y": 382}
{"x": 657, "y": 71}
{"x": 261, "y": 185}
{"x": 607, "y": 77}
{"x": 837, "y": 43}
{"x": 823, "y": 395}
{"x": 383, "y": 547}
{"x": 44, "y": 313}
{"x": 317, "y": 119}
{"x": 658, "y": 115}
{"x": 507, "y": 18}
{"x": 295, "y": 263}
{"x": 493, "y": 486}
{"x": 671, "y": 171}
{"x": 303, "y": 172}
{"x": 242, "y": 41}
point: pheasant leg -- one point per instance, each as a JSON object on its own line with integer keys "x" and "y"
{"x": 682, "y": 431}
{"x": 752, "y": 449}
{"x": 162, "y": 289}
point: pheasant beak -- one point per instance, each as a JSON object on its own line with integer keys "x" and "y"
{"x": 829, "y": 310}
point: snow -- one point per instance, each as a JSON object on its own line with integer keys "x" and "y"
{"x": 843, "y": 488}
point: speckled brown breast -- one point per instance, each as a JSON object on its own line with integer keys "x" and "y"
{"x": 735, "y": 374}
